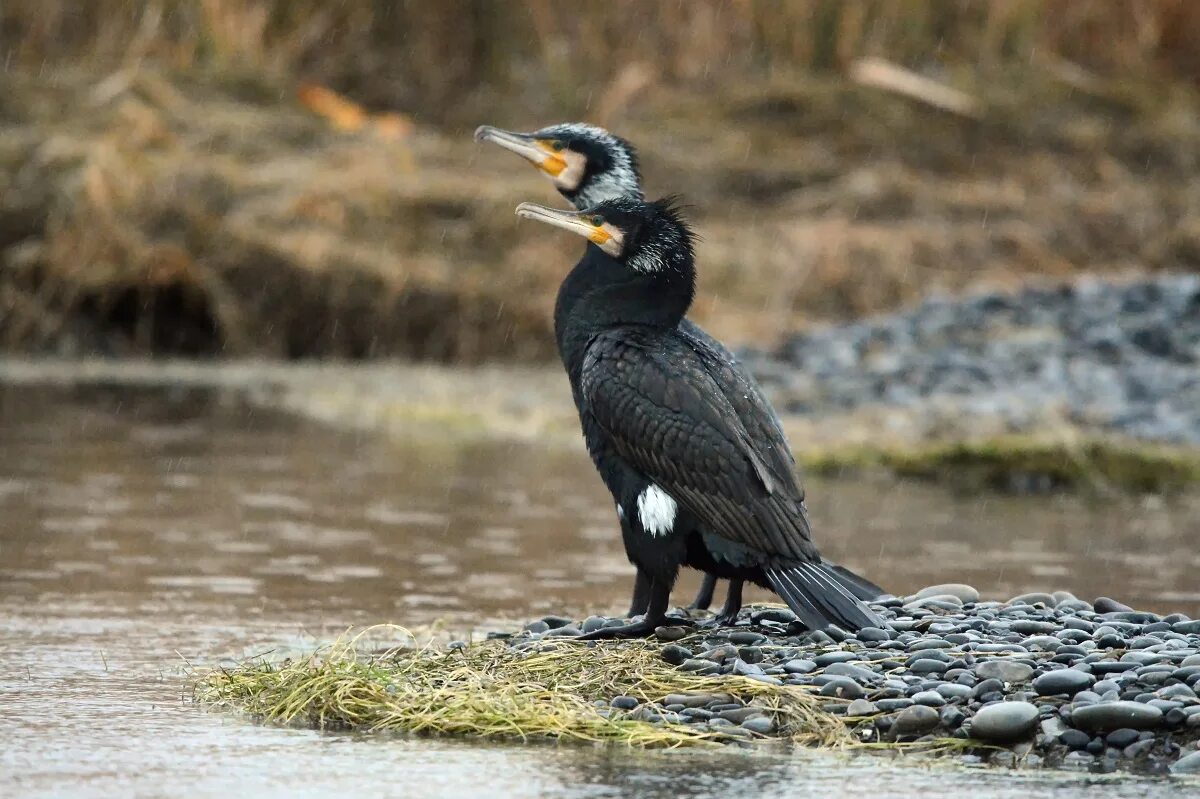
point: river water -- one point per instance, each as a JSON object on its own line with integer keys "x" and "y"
{"x": 145, "y": 530}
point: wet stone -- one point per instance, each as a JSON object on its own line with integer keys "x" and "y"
{"x": 861, "y": 707}
{"x": 799, "y": 666}
{"x": 675, "y": 655}
{"x": 843, "y": 687}
{"x": 1121, "y": 738}
{"x": 1004, "y": 722}
{"x": 1188, "y": 764}
{"x": 915, "y": 720}
{"x": 759, "y": 725}
{"x": 929, "y": 698}
{"x": 624, "y": 702}
{"x": 1005, "y": 670}
{"x": 928, "y": 666}
{"x": 1114, "y": 715}
{"x": 1063, "y": 681}
{"x": 670, "y": 633}
{"x": 699, "y": 666}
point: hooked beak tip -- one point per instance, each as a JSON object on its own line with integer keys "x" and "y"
{"x": 483, "y": 132}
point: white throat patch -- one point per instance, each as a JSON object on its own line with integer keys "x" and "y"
{"x": 656, "y": 510}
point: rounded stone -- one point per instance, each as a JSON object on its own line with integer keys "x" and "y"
{"x": 675, "y": 655}
{"x": 1189, "y": 764}
{"x": 963, "y": 593}
{"x": 1004, "y": 722}
{"x": 1121, "y": 738}
{"x": 1004, "y": 670}
{"x": 915, "y": 720}
{"x": 759, "y": 725}
{"x": 1063, "y": 681}
{"x": 670, "y": 633}
{"x": 624, "y": 702}
{"x": 1108, "y": 716}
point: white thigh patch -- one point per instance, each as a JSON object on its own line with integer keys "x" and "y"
{"x": 656, "y": 510}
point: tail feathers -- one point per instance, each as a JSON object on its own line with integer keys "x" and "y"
{"x": 814, "y": 594}
{"x": 861, "y": 587}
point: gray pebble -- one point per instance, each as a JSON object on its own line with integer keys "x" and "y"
{"x": 624, "y": 702}
{"x": 1004, "y": 722}
{"x": 964, "y": 593}
{"x": 759, "y": 725}
{"x": 1063, "y": 681}
{"x": 799, "y": 666}
{"x": 915, "y": 720}
{"x": 1004, "y": 670}
{"x": 861, "y": 707}
{"x": 1113, "y": 715}
{"x": 1189, "y": 764}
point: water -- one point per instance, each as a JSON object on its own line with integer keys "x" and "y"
{"x": 142, "y": 530}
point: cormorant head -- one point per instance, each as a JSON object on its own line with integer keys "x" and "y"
{"x": 587, "y": 164}
{"x": 651, "y": 238}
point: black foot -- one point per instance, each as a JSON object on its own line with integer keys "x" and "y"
{"x": 638, "y": 629}
{"x": 725, "y": 620}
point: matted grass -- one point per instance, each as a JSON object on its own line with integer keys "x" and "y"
{"x": 492, "y": 690}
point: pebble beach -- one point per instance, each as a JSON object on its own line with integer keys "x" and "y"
{"x": 1040, "y": 680}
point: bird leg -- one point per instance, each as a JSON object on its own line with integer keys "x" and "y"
{"x": 733, "y": 605}
{"x": 656, "y": 615}
{"x": 641, "y": 594}
{"x": 704, "y": 596}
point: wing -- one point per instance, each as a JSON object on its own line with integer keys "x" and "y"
{"x": 668, "y": 418}
{"x": 744, "y": 395}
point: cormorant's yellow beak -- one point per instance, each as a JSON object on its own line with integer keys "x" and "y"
{"x": 578, "y": 222}
{"x": 539, "y": 152}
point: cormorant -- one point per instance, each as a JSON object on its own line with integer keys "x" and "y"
{"x": 697, "y": 462}
{"x": 589, "y": 165}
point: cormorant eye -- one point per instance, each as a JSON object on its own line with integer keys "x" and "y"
{"x": 557, "y": 146}
{"x": 597, "y": 220}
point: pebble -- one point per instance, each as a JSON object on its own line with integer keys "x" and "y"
{"x": 1063, "y": 681}
{"x": 1114, "y": 715}
{"x": 675, "y": 655}
{"x": 843, "y": 687}
{"x": 759, "y": 725}
{"x": 1004, "y": 722}
{"x": 1046, "y": 674}
{"x": 670, "y": 633}
{"x": 1004, "y": 670}
{"x": 963, "y": 593}
{"x": 915, "y": 720}
{"x": 1189, "y": 764}
{"x": 861, "y": 707}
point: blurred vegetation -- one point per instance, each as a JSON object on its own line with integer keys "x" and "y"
{"x": 162, "y": 190}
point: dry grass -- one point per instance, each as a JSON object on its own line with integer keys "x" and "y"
{"x": 494, "y": 691}
{"x": 433, "y": 57}
{"x": 162, "y": 191}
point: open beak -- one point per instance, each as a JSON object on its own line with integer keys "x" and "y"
{"x": 531, "y": 149}
{"x": 575, "y": 221}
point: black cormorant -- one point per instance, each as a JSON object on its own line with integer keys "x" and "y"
{"x": 589, "y": 165}
{"x": 697, "y": 463}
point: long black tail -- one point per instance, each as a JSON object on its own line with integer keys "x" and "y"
{"x": 861, "y": 587}
{"x": 814, "y": 594}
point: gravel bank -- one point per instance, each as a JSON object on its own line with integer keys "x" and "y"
{"x": 1110, "y": 357}
{"x": 1039, "y": 680}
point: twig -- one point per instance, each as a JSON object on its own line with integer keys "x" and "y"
{"x": 887, "y": 76}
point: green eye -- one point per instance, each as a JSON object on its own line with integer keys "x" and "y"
{"x": 557, "y": 146}
{"x": 597, "y": 220}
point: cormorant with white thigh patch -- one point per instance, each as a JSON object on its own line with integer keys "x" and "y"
{"x": 589, "y": 165}
{"x": 698, "y": 465}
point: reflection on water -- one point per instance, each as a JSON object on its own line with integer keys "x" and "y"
{"x": 142, "y": 529}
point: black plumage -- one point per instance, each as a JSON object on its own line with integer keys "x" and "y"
{"x": 696, "y": 459}
{"x": 589, "y": 165}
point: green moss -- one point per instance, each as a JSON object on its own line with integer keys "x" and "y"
{"x": 1101, "y": 465}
